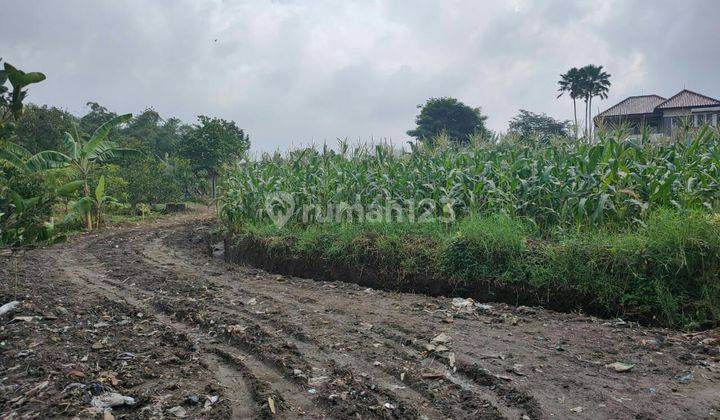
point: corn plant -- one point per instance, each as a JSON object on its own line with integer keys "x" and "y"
{"x": 565, "y": 184}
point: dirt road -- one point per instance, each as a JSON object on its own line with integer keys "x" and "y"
{"x": 144, "y": 311}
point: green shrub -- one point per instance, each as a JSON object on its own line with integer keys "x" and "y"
{"x": 151, "y": 180}
{"x": 26, "y": 205}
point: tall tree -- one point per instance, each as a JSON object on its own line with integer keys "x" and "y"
{"x": 212, "y": 143}
{"x": 450, "y": 116}
{"x": 587, "y": 83}
{"x": 572, "y": 83}
{"x": 540, "y": 127}
{"x": 96, "y": 117}
{"x": 43, "y": 128}
{"x": 597, "y": 84}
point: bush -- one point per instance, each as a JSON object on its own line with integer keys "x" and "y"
{"x": 26, "y": 204}
{"x": 151, "y": 180}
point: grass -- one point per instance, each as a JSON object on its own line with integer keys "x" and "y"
{"x": 664, "y": 273}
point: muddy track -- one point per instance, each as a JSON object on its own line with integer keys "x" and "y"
{"x": 275, "y": 346}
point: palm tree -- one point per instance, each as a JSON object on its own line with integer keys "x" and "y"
{"x": 571, "y": 83}
{"x": 595, "y": 83}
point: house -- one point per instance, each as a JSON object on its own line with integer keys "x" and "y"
{"x": 661, "y": 115}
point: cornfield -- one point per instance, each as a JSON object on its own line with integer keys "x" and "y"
{"x": 615, "y": 181}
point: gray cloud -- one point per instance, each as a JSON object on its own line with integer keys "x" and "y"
{"x": 296, "y": 72}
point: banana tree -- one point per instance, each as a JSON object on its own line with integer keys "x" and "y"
{"x": 80, "y": 155}
{"x": 95, "y": 203}
{"x": 19, "y": 223}
{"x": 83, "y": 156}
{"x": 11, "y": 105}
{"x": 23, "y": 161}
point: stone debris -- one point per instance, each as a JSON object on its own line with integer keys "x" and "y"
{"x": 110, "y": 400}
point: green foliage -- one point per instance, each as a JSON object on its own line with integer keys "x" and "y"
{"x": 562, "y": 186}
{"x": 212, "y": 143}
{"x": 665, "y": 271}
{"x": 585, "y": 83}
{"x": 26, "y": 207}
{"x": 620, "y": 227}
{"x": 451, "y": 117}
{"x": 29, "y": 187}
{"x": 97, "y": 116}
{"x": 144, "y": 209}
{"x": 537, "y": 127}
{"x": 485, "y": 247}
{"x": 91, "y": 164}
{"x": 116, "y": 180}
{"x": 151, "y": 134}
{"x": 159, "y": 175}
{"x": 43, "y": 128}
{"x": 11, "y": 100}
{"x": 153, "y": 181}
{"x": 83, "y": 157}
{"x": 93, "y": 204}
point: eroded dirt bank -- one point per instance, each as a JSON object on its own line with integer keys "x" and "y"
{"x": 145, "y": 312}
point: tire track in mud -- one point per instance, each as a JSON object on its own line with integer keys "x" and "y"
{"x": 261, "y": 339}
{"x": 370, "y": 395}
{"x": 396, "y": 397}
{"x": 472, "y": 385}
{"x": 461, "y": 398}
{"x": 237, "y": 390}
{"x": 152, "y": 253}
{"x": 512, "y": 401}
{"x": 241, "y": 385}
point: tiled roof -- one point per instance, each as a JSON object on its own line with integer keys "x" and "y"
{"x": 688, "y": 99}
{"x": 644, "y": 104}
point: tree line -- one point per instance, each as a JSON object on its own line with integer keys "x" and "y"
{"x": 460, "y": 124}
{"x": 57, "y": 168}
{"x": 449, "y": 118}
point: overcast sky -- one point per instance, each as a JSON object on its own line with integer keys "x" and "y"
{"x": 294, "y": 72}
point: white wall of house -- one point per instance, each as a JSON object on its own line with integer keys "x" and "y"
{"x": 695, "y": 116}
{"x": 710, "y": 115}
